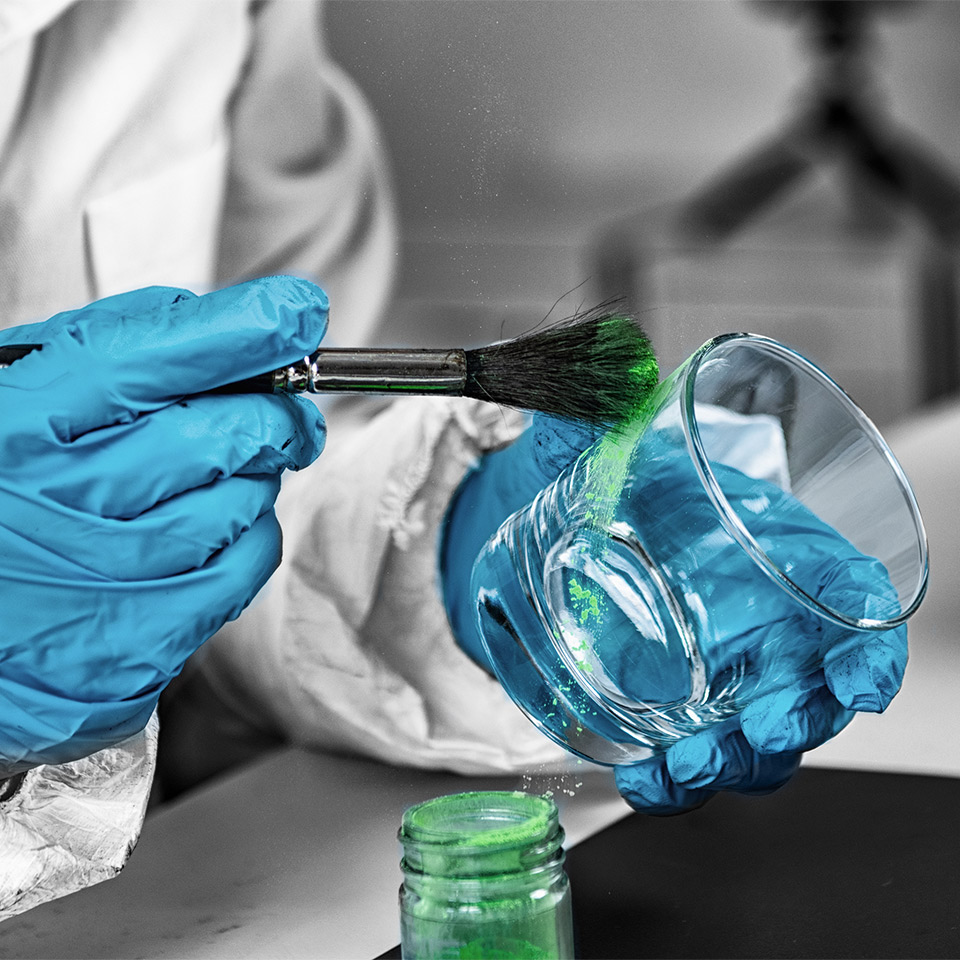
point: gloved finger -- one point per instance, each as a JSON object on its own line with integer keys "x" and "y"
{"x": 177, "y": 535}
{"x": 124, "y": 470}
{"x": 133, "y": 302}
{"x": 868, "y": 676}
{"x": 206, "y": 597}
{"x": 648, "y": 787}
{"x": 63, "y": 726}
{"x": 172, "y": 616}
{"x": 77, "y": 711}
{"x": 182, "y": 533}
{"x": 724, "y": 759}
{"x": 864, "y": 669}
{"x": 858, "y": 586}
{"x": 110, "y": 366}
{"x": 797, "y": 718}
{"x": 145, "y": 300}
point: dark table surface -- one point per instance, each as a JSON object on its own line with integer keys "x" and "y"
{"x": 835, "y": 864}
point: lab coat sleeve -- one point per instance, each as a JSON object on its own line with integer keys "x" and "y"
{"x": 348, "y": 647}
{"x": 74, "y": 824}
{"x": 309, "y": 190}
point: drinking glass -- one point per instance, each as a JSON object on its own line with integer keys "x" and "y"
{"x": 750, "y": 523}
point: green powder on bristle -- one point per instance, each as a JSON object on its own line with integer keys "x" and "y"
{"x": 610, "y": 455}
{"x": 645, "y": 375}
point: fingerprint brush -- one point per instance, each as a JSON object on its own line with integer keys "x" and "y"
{"x": 597, "y": 367}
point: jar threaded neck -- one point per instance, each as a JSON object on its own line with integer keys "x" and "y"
{"x": 480, "y": 834}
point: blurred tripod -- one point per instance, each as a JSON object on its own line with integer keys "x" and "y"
{"x": 840, "y": 121}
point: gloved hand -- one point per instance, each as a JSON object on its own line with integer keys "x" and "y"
{"x": 758, "y": 750}
{"x": 754, "y": 752}
{"x": 136, "y": 516}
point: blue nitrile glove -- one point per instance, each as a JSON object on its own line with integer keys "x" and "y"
{"x": 858, "y": 671}
{"x": 136, "y": 517}
{"x": 503, "y": 482}
{"x": 753, "y": 753}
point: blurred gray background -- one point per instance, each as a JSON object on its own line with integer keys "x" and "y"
{"x": 551, "y": 147}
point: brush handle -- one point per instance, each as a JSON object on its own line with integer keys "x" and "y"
{"x": 346, "y": 370}
{"x": 367, "y": 370}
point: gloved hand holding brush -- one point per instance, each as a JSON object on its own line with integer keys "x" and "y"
{"x": 136, "y": 517}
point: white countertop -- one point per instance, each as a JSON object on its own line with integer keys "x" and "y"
{"x": 920, "y": 730}
{"x": 296, "y": 855}
{"x": 293, "y": 856}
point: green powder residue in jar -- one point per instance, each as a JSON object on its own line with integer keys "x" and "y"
{"x": 502, "y": 950}
{"x": 483, "y": 877}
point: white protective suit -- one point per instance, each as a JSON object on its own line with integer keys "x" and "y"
{"x": 195, "y": 144}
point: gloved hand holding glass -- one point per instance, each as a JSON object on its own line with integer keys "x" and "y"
{"x": 717, "y": 589}
{"x": 136, "y": 516}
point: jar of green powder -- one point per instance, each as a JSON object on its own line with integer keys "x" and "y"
{"x": 483, "y": 877}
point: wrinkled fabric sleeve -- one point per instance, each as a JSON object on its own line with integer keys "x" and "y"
{"x": 72, "y": 825}
{"x": 309, "y": 190}
{"x": 348, "y": 648}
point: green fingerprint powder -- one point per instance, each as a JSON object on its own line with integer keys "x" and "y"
{"x": 610, "y": 458}
{"x": 609, "y": 465}
{"x": 483, "y": 877}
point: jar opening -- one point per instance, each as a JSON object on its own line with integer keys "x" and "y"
{"x": 834, "y": 442}
{"x": 480, "y": 833}
{"x": 481, "y": 819}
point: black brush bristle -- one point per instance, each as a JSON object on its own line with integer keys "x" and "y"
{"x": 596, "y": 367}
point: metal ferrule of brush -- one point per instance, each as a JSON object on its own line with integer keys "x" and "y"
{"x": 376, "y": 371}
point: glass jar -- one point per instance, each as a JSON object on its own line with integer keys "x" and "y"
{"x": 750, "y": 525}
{"x": 483, "y": 877}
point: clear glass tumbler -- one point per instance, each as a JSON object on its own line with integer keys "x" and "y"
{"x": 750, "y": 523}
{"x": 483, "y": 877}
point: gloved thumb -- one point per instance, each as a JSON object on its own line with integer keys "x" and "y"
{"x": 505, "y": 481}
{"x": 557, "y": 443}
{"x": 516, "y": 474}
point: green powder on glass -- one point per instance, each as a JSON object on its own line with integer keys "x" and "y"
{"x": 608, "y": 470}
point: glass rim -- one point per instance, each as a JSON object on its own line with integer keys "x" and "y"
{"x": 735, "y": 526}
{"x": 534, "y": 820}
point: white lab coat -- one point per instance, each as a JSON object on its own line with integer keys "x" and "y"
{"x": 195, "y": 144}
